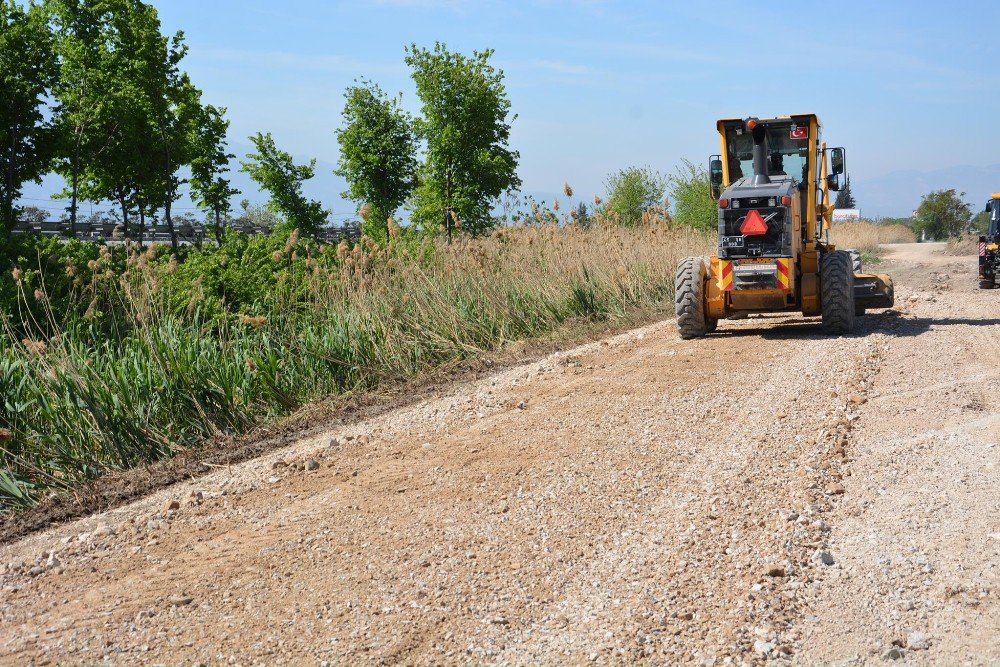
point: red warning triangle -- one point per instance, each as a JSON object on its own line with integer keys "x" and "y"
{"x": 753, "y": 225}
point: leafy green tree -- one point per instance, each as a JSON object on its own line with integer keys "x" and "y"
{"x": 464, "y": 121}
{"x": 85, "y": 94}
{"x": 378, "y": 154}
{"x": 27, "y": 73}
{"x": 275, "y": 171}
{"x": 632, "y": 191}
{"x": 691, "y": 194}
{"x": 845, "y": 198}
{"x": 126, "y": 112}
{"x": 980, "y": 223}
{"x": 210, "y": 164}
{"x": 943, "y": 214}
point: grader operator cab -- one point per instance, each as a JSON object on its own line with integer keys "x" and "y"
{"x": 773, "y": 188}
{"x": 989, "y": 252}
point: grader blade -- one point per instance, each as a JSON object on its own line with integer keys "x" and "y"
{"x": 873, "y": 291}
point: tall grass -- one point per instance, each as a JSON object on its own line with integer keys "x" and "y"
{"x": 867, "y": 236}
{"x": 966, "y": 244}
{"x": 148, "y": 356}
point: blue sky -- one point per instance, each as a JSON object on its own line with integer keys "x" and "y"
{"x": 599, "y": 85}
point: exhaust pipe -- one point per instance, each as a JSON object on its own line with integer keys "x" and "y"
{"x": 759, "y": 134}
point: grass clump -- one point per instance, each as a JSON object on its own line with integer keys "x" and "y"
{"x": 867, "y": 236}
{"x": 113, "y": 358}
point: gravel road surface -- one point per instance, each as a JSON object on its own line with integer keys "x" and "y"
{"x": 766, "y": 494}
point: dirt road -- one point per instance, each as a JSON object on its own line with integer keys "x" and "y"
{"x": 765, "y": 494}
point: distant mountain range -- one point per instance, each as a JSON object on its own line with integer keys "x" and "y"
{"x": 897, "y": 194}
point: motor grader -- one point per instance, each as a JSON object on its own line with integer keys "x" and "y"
{"x": 772, "y": 184}
{"x": 989, "y": 245}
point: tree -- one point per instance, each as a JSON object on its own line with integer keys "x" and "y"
{"x": 27, "y": 73}
{"x": 103, "y": 112}
{"x": 469, "y": 163}
{"x": 378, "y": 154}
{"x": 943, "y": 214}
{"x": 845, "y": 198}
{"x": 691, "y": 194}
{"x": 632, "y": 191}
{"x": 81, "y": 90}
{"x": 209, "y": 164}
{"x": 980, "y": 223}
{"x": 275, "y": 171}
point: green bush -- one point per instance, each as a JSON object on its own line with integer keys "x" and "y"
{"x": 690, "y": 193}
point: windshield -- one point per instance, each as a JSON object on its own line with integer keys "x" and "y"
{"x": 786, "y": 155}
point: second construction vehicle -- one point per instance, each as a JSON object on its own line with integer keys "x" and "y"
{"x": 989, "y": 250}
{"x": 772, "y": 183}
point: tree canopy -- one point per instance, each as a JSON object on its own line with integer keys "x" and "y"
{"x": 943, "y": 214}
{"x": 632, "y": 191}
{"x": 845, "y": 198}
{"x": 378, "y": 154}
{"x": 276, "y": 172}
{"x": 27, "y": 73}
{"x": 466, "y": 126}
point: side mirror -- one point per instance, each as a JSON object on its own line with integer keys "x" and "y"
{"x": 988, "y": 206}
{"x": 837, "y": 160}
{"x": 715, "y": 175}
{"x": 833, "y": 182}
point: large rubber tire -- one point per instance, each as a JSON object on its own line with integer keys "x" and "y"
{"x": 855, "y": 260}
{"x": 836, "y": 292}
{"x": 689, "y": 299}
{"x": 987, "y": 283}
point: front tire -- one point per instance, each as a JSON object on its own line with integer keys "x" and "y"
{"x": 689, "y": 299}
{"x": 987, "y": 283}
{"x": 836, "y": 278}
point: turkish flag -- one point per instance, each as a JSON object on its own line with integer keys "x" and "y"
{"x": 800, "y": 132}
{"x": 753, "y": 225}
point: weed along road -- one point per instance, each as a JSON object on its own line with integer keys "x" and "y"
{"x": 766, "y": 493}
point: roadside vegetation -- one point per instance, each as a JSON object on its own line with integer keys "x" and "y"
{"x": 866, "y": 236}
{"x": 114, "y": 358}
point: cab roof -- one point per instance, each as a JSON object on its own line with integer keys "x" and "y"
{"x": 764, "y": 120}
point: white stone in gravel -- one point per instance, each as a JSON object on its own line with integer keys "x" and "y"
{"x": 103, "y": 530}
{"x": 824, "y": 557}
{"x": 762, "y": 647}
{"x": 917, "y": 641}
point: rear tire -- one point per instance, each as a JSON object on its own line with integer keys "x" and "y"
{"x": 836, "y": 285}
{"x": 689, "y": 299}
{"x": 987, "y": 283}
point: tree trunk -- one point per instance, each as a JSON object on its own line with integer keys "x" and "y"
{"x": 170, "y": 225}
{"x": 142, "y": 224}
{"x": 447, "y": 204}
{"x": 218, "y": 226}
{"x": 7, "y": 205}
{"x": 121, "y": 202}
{"x": 75, "y": 186}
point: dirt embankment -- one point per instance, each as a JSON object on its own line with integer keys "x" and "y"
{"x": 765, "y": 494}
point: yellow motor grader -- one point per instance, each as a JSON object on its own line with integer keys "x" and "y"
{"x": 772, "y": 183}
